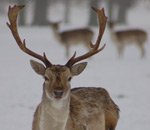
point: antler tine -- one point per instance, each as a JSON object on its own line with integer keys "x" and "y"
{"x": 102, "y": 24}
{"x": 12, "y": 15}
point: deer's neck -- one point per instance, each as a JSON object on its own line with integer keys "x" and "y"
{"x": 56, "y": 34}
{"x": 113, "y": 35}
{"x": 54, "y": 113}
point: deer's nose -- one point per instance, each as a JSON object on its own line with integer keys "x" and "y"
{"x": 58, "y": 93}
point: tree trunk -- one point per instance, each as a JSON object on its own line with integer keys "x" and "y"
{"x": 67, "y": 10}
{"x": 110, "y": 5}
{"x": 93, "y": 16}
{"x": 40, "y": 12}
{"x": 124, "y": 5}
{"x": 122, "y": 15}
{"x": 22, "y": 15}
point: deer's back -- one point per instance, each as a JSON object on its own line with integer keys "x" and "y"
{"x": 88, "y": 106}
{"x": 78, "y": 35}
{"x": 132, "y": 36}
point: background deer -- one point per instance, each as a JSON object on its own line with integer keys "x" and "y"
{"x": 123, "y": 38}
{"x": 72, "y": 37}
{"x": 63, "y": 108}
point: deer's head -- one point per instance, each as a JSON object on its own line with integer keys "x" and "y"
{"x": 57, "y": 77}
{"x": 111, "y": 24}
{"x": 55, "y": 25}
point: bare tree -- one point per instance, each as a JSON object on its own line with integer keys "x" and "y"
{"x": 22, "y": 16}
{"x": 123, "y": 6}
{"x": 40, "y": 12}
{"x": 93, "y": 17}
{"x": 67, "y": 10}
{"x": 3, "y": 4}
{"x": 110, "y": 6}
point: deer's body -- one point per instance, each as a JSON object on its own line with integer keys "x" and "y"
{"x": 89, "y": 108}
{"x": 61, "y": 107}
{"x": 124, "y": 38}
{"x": 72, "y": 37}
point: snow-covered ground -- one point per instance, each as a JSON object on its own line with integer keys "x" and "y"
{"x": 127, "y": 80}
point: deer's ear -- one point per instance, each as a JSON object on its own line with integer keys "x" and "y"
{"x": 78, "y": 68}
{"x": 38, "y": 67}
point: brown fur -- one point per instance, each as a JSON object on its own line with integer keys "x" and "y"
{"x": 60, "y": 109}
{"x": 124, "y": 38}
{"x": 78, "y": 109}
{"x": 72, "y": 37}
{"x": 99, "y": 97}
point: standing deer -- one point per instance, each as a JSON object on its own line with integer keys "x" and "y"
{"x": 72, "y": 37}
{"x": 123, "y": 38}
{"x": 63, "y": 108}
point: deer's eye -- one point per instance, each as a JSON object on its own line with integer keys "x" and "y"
{"x": 69, "y": 79}
{"x": 46, "y": 78}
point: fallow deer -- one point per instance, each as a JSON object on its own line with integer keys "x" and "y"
{"x": 63, "y": 108}
{"x": 72, "y": 37}
{"x": 124, "y": 38}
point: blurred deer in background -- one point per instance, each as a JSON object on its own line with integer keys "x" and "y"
{"x": 72, "y": 37}
{"x": 123, "y": 38}
{"x": 63, "y": 108}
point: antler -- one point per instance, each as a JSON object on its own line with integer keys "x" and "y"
{"x": 102, "y": 24}
{"x": 12, "y": 15}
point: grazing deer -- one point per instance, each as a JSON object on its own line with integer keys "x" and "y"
{"x": 63, "y": 108}
{"x": 72, "y": 37}
{"x": 123, "y": 38}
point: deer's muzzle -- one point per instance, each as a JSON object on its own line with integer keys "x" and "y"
{"x": 58, "y": 93}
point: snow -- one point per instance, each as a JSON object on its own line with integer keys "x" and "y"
{"x": 127, "y": 80}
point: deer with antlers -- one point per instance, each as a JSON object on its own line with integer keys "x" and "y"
{"x": 63, "y": 108}
{"x": 72, "y": 37}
